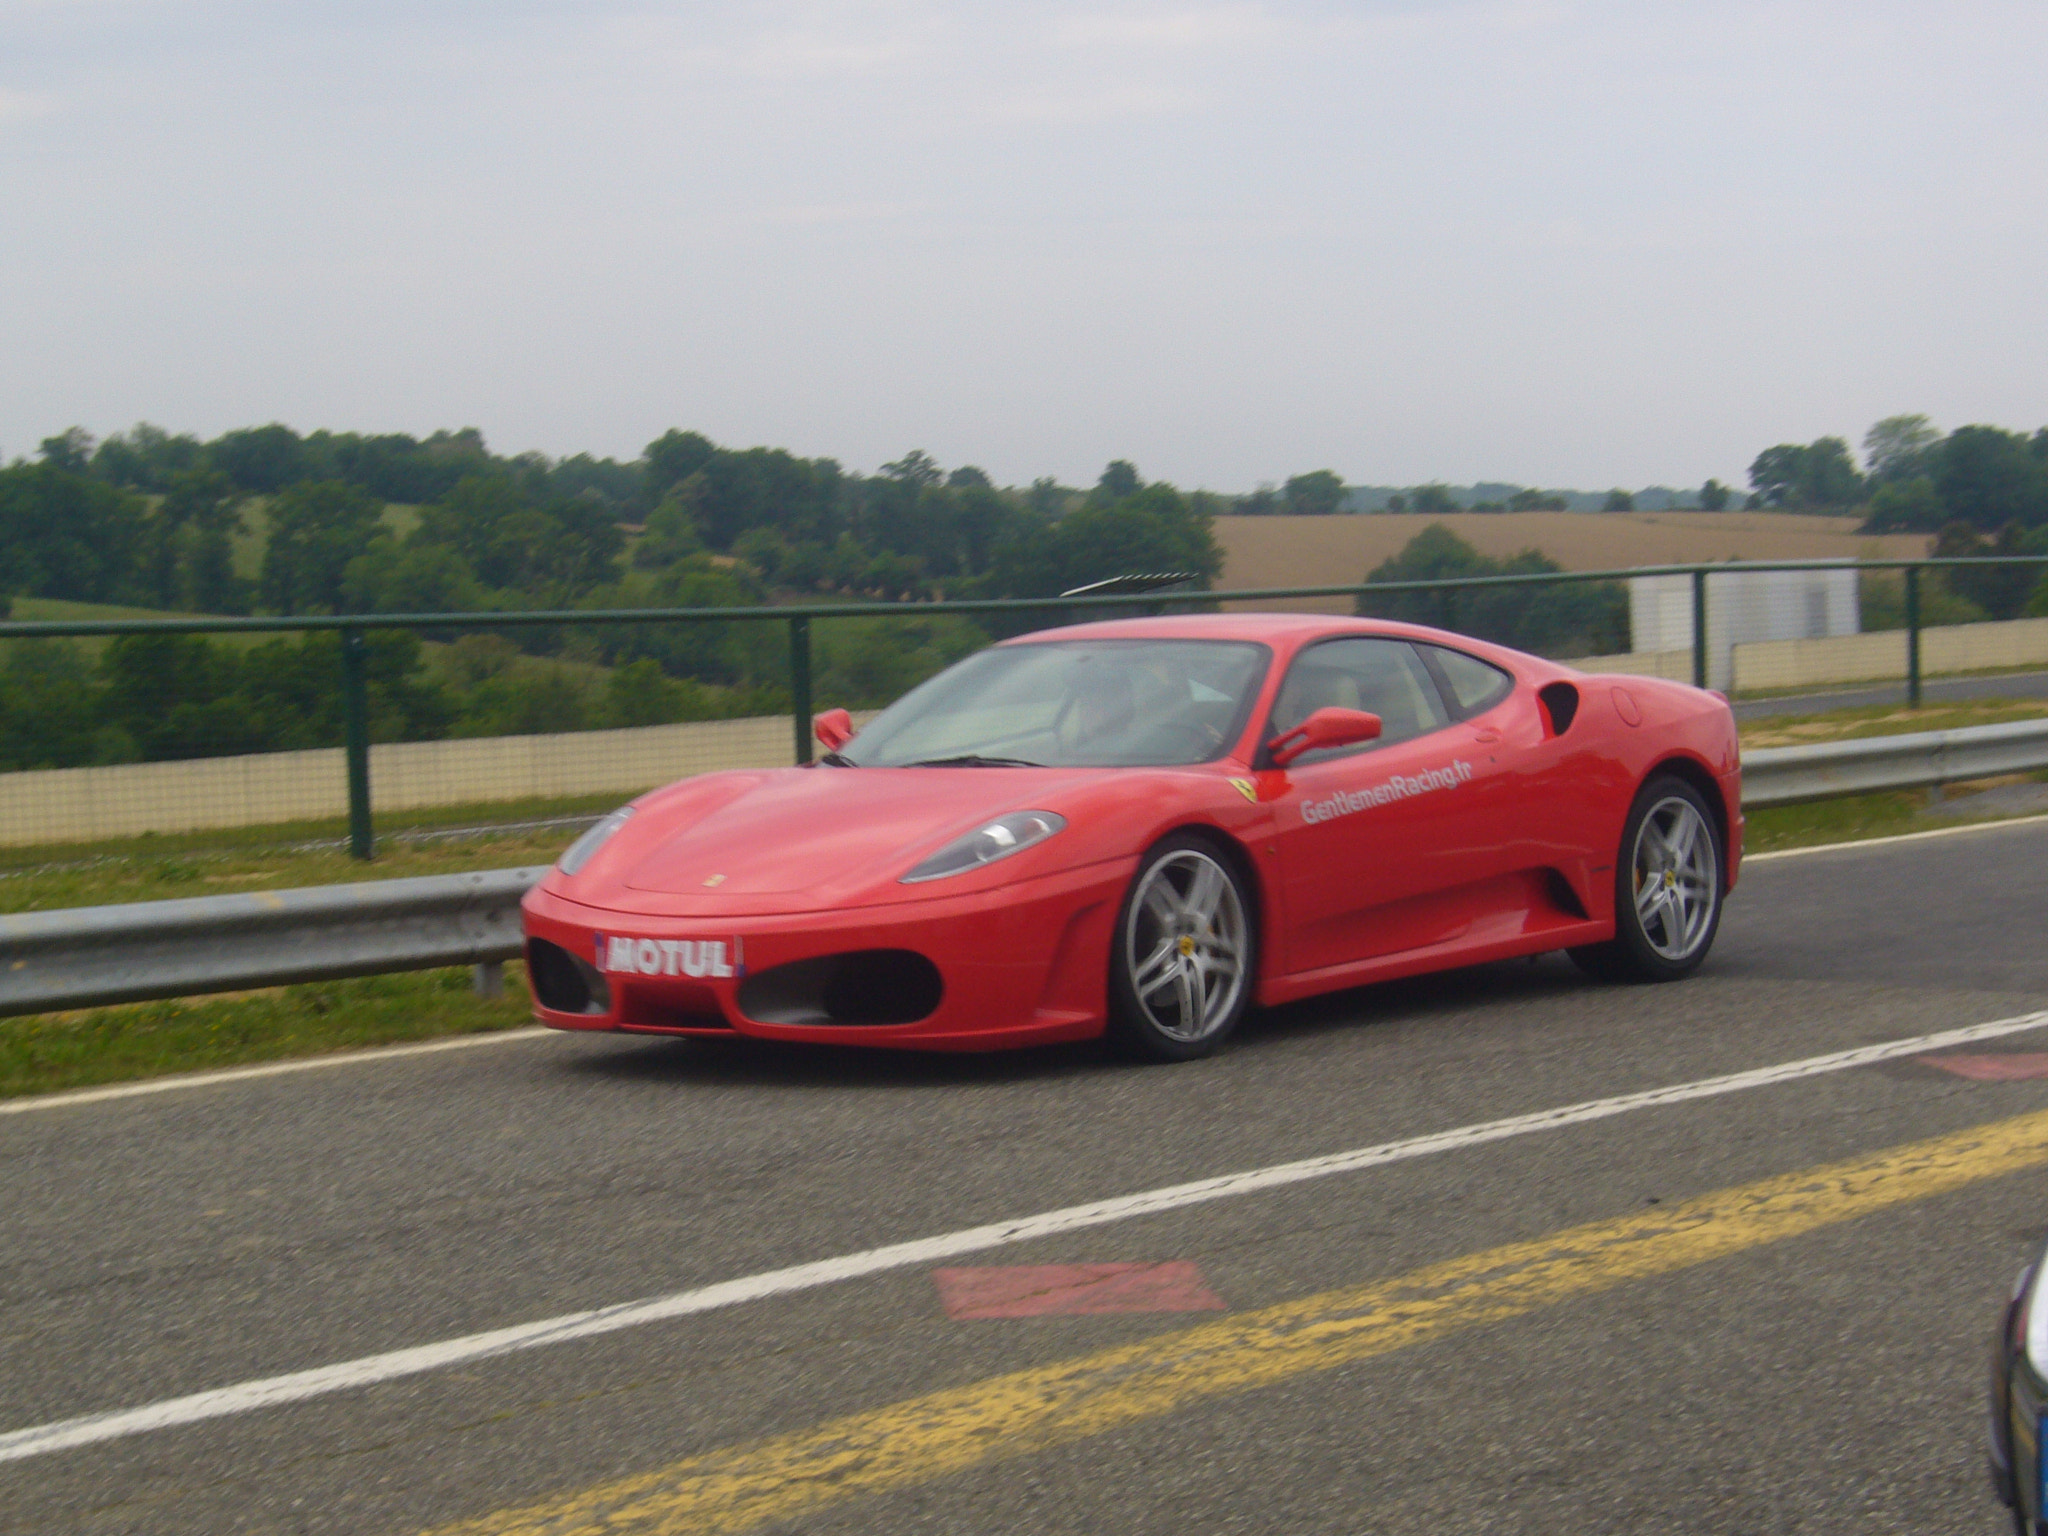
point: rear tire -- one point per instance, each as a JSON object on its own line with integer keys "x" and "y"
{"x": 1183, "y": 955}
{"x": 1669, "y": 875}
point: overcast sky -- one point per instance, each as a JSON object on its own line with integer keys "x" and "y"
{"x": 1562, "y": 244}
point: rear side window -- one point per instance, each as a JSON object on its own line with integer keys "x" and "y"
{"x": 1474, "y": 685}
{"x": 1382, "y": 677}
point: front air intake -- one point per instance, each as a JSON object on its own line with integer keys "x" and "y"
{"x": 564, "y": 982}
{"x": 864, "y": 986}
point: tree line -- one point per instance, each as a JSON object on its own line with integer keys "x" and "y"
{"x": 395, "y": 525}
{"x": 1981, "y": 490}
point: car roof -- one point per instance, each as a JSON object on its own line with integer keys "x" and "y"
{"x": 1279, "y": 629}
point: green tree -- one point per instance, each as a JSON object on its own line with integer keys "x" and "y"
{"x": 1713, "y": 496}
{"x": 1434, "y": 500}
{"x": 175, "y": 697}
{"x": 195, "y": 525}
{"x": 1555, "y": 619}
{"x": 670, "y": 533}
{"x": 1317, "y": 494}
{"x": 1905, "y": 506}
{"x": 915, "y": 468}
{"x": 640, "y": 693}
{"x": 1896, "y": 448}
{"x": 1119, "y": 482}
{"x": 260, "y": 459}
{"x": 672, "y": 458}
{"x": 736, "y": 653}
{"x": 51, "y": 714}
{"x": 1821, "y": 474}
{"x": 1157, "y": 529}
{"x": 2000, "y": 590}
{"x": 1988, "y": 477}
{"x": 69, "y": 451}
{"x": 1047, "y": 497}
{"x": 145, "y": 458}
{"x": 65, "y": 535}
{"x": 553, "y": 552}
{"x": 316, "y": 528}
{"x": 1618, "y": 500}
{"x": 395, "y": 577}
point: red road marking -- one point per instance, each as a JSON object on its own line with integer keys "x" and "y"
{"x": 1037, "y": 1290}
{"x": 2006, "y": 1068}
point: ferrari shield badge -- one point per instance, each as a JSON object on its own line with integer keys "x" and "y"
{"x": 1246, "y": 788}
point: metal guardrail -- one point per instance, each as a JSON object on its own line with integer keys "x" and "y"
{"x": 88, "y": 957}
{"x": 1782, "y": 775}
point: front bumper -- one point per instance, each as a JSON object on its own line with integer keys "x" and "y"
{"x": 1022, "y": 964}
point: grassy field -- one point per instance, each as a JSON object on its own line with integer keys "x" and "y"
{"x": 1320, "y": 551}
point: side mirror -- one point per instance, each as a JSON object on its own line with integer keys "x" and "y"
{"x": 1325, "y": 728}
{"x": 832, "y": 727}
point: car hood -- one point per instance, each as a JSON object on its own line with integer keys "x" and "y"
{"x": 807, "y": 839}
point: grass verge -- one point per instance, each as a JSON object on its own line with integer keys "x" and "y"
{"x": 47, "y": 1053}
{"x": 1854, "y": 818}
{"x": 1886, "y": 720}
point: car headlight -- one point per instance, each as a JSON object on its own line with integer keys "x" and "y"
{"x": 580, "y": 851}
{"x": 998, "y": 840}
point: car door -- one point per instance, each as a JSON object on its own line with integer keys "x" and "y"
{"x": 1548, "y": 802}
{"x": 1381, "y": 846}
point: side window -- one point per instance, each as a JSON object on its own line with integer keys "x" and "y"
{"x": 1382, "y": 677}
{"x": 1474, "y": 684}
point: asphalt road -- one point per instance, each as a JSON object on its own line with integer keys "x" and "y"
{"x": 1797, "y": 1378}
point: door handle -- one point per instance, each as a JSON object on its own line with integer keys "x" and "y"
{"x": 1486, "y": 736}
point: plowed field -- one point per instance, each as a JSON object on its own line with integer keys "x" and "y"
{"x": 1314, "y": 551}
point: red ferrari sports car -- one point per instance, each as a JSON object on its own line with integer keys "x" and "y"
{"x": 1142, "y": 827}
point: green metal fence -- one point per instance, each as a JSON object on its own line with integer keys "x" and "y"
{"x": 355, "y": 632}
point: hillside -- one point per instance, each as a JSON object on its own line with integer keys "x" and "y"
{"x": 1314, "y": 551}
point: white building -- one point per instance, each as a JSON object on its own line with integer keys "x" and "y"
{"x": 1743, "y": 605}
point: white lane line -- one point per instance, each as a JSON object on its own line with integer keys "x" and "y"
{"x": 298, "y": 1386}
{"x": 1896, "y": 837}
{"x": 265, "y": 1069}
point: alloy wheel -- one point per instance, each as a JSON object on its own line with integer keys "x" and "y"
{"x": 1184, "y": 942}
{"x": 1675, "y": 878}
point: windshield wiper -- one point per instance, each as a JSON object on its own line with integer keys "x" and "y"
{"x": 976, "y": 760}
{"x": 835, "y": 760}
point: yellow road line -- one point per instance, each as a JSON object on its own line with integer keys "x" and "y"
{"x": 927, "y": 1437}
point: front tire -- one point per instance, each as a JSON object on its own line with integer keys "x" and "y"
{"x": 1182, "y": 960}
{"x": 1668, "y": 881}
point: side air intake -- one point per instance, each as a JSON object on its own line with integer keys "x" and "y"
{"x": 1561, "y": 704}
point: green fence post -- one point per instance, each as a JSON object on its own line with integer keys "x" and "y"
{"x": 1912, "y": 637}
{"x": 800, "y": 684}
{"x": 355, "y": 705}
{"x": 1699, "y": 628}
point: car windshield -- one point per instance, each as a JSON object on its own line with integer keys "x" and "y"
{"x": 1071, "y": 704}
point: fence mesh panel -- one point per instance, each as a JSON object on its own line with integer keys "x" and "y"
{"x": 174, "y": 737}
